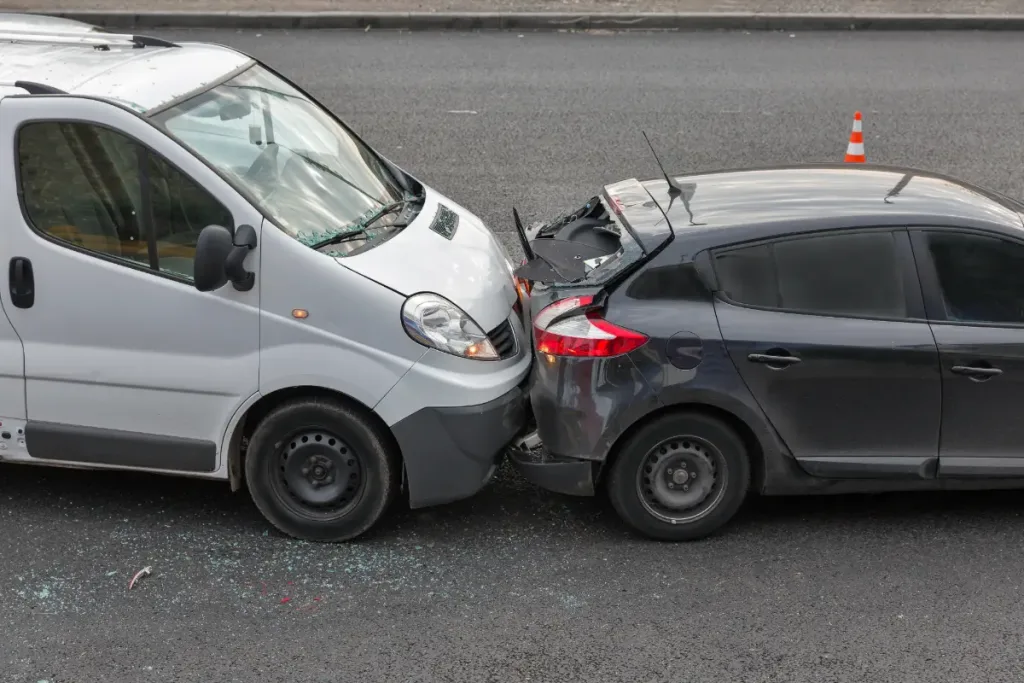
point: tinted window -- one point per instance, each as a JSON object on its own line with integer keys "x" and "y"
{"x": 854, "y": 274}
{"x": 82, "y": 185}
{"x": 982, "y": 278}
{"x": 675, "y": 282}
{"x": 747, "y": 276}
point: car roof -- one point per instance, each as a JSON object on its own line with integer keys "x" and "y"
{"x": 143, "y": 74}
{"x": 761, "y": 202}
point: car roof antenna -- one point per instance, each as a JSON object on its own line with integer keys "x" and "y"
{"x": 673, "y": 189}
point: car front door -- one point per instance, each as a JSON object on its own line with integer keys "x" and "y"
{"x": 974, "y": 294}
{"x": 828, "y": 332}
{"x": 126, "y": 363}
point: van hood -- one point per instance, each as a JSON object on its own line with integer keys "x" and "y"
{"x": 446, "y": 250}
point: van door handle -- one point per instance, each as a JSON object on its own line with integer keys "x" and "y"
{"x": 22, "y": 282}
{"x": 771, "y": 359}
{"x": 976, "y": 371}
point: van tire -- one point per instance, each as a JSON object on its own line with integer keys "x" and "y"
{"x": 320, "y": 470}
{"x": 705, "y": 455}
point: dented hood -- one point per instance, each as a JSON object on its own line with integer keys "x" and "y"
{"x": 446, "y": 250}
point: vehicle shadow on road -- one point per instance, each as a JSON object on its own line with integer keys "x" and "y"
{"x": 509, "y": 505}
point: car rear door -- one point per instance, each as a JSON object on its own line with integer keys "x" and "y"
{"x": 974, "y": 294}
{"x": 828, "y": 332}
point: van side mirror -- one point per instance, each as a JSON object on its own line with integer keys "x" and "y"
{"x": 220, "y": 256}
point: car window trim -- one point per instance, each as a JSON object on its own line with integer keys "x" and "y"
{"x": 128, "y": 263}
{"x": 912, "y": 287}
{"x": 935, "y": 302}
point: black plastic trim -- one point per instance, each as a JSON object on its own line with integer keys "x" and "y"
{"x": 94, "y": 445}
{"x": 451, "y": 452}
{"x": 912, "y": 291}
{"x": 871, "y": 467}
{"x": 151, "y": 41}
{"x": 568, "y": 476}
{"x": 33, "y": 88}
{"x": 981, "y": 467}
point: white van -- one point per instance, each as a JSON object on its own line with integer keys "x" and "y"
{"x": 210, "y": 275}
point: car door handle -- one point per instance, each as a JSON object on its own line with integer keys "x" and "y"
{"x": 22, "y": 282}
{"x": 976, "y": 371}
{"x": 772, "y": 359}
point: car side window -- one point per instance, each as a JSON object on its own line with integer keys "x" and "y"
{"x": 83, "y": 185}
{"x": 981, "y": 278}
{"x": 838, "y": 274}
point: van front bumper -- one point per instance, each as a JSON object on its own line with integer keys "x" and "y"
{"x": 451, "y": 453}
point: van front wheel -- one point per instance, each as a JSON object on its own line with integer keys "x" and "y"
{"x": 320, "y": 471}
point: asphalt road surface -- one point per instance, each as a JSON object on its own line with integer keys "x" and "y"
{"x": 516, "y": 584}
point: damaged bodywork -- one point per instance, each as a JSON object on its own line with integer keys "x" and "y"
{"x": 779, "y": 330}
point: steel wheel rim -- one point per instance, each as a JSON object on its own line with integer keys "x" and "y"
{"x": 682, "y": 479}
{"x": 317, "y": 474}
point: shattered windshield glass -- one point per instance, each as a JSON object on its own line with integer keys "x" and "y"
{"x": 306, "y": 171}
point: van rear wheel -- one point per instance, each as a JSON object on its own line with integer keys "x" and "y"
{"x": 318, "y": 470}
{"x": 680, "y": 477}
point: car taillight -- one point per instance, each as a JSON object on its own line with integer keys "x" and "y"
{"x": 584, "y": 335}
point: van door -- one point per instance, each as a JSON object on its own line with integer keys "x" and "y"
{"x": 12, "y": 385}
{"x": 126, "y": 363}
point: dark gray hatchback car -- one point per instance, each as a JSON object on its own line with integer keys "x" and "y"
{"x": 811, "y": 329}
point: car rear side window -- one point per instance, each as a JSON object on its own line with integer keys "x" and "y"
{"x": 981, "y": 278}
{"x": 840, "y": 274}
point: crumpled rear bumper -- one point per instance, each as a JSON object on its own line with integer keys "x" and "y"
{"x": 570, "y": 476}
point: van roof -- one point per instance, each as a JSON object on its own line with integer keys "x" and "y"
{"x": 82, "y": 59}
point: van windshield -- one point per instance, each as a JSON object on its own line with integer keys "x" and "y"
{"x": 304, "y": 169}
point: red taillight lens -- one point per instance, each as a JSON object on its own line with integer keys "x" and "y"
{"x": 585, "y": 335}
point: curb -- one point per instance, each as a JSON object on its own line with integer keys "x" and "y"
{"x": 547, "y": 21}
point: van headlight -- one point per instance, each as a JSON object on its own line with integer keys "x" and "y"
{"x": 433, "y": 321}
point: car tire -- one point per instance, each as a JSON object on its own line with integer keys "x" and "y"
{"x": 320, "y": 470}
{"x": 680, "y": 477}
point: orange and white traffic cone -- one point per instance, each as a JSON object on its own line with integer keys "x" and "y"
{"x": 855, "y": 150}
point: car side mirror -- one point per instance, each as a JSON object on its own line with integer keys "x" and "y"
{"x": 220, "y": 257}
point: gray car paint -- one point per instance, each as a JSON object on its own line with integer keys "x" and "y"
{"x": 699, "y": 342}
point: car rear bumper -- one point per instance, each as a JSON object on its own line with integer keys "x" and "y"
{"x": 570, "y": 476}
{"x": 583, "y": 405}
{"x": 451, "y": 453}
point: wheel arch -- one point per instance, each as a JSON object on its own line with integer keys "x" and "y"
{"x": 255, "y": 413}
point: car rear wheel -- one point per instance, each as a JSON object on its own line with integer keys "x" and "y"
{"x": 319, "y": 470}
{"x": 680, "y": 477}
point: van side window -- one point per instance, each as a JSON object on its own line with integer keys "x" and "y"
{"x": 837, "y": 274}
{"x": 82, "y": 186}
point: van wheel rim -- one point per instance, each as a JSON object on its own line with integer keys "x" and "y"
{"x": 682, "y": 479}
{"x": 319, "y": 472}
